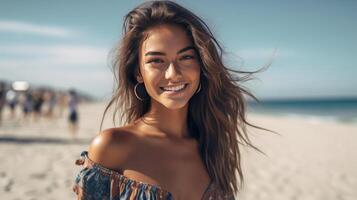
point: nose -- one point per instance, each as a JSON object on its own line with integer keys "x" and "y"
{"x": 173, "y": 71}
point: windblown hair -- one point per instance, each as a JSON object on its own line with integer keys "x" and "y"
{"x": 217, "y": 114}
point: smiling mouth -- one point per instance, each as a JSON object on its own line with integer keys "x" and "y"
{"x": 175, "y": 88}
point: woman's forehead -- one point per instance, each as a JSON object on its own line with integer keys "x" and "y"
{"x": 164, "y": 38}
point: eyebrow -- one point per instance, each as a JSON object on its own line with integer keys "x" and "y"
{"x": 157, "y": 53}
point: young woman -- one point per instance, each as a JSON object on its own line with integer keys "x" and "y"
{"x": 183, "y": 109}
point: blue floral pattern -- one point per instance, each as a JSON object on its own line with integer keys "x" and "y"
{"x": 95, "y": 182}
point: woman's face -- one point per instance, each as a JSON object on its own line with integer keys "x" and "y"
{"x": 169, "y": 66}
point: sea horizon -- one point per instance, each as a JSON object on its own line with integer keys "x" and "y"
{"x": 341, "y": 109}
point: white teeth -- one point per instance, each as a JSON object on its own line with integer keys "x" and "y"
{"x": 176, "y": 88}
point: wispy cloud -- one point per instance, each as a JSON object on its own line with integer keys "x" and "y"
{"x": 80, "y": 66}
{"x": 17, "y": 56}
{"x": 30, "y": 28}
{"x": 264, "y": 53}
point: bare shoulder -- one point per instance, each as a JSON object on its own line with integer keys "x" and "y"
{"x": 111, "y": 148}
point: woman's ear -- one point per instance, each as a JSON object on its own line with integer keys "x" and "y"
{"x": 139, "y": 78}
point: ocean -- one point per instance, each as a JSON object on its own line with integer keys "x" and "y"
{"x": 334, "y": 109}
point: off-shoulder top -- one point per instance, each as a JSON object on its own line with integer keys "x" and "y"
{"x": 96, "y": 182}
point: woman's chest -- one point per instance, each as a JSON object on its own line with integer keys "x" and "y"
{"x": 177, "y": 170}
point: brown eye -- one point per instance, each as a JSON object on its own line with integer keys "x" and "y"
{"x": 155, "y": 60}
{"x": 187, "y": 57}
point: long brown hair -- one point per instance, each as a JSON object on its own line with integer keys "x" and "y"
{"x": 217, "y": 114}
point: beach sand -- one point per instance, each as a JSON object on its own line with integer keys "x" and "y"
{"x": 309, "y": 159}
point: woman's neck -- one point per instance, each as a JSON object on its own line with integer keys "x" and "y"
{"x": 166, "y": 122}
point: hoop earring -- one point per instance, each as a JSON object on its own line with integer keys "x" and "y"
{"x": 136, "y": 94}
{"x": 199, "y": 88}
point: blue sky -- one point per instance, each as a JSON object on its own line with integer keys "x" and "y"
{"x": 65, "y": 43}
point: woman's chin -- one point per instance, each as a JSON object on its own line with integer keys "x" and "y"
{"x": 174, "y": 105}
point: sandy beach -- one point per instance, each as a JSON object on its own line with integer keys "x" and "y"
{"x": 309, "y": 160}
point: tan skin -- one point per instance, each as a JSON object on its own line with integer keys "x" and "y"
{"x": 156, "y": 149}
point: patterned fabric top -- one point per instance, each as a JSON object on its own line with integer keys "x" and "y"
{"x": 96, "y": 182}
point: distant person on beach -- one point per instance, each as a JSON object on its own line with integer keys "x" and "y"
{"x": 37, "y": 101}
{"x": 27, "y": 105}
{"x": 183, "y": 109}
{"x": 51, "y": 101}
{"x": 2, "y": 99}
{"x": 11, "y": 98}
{"x": 73, "y": 112}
